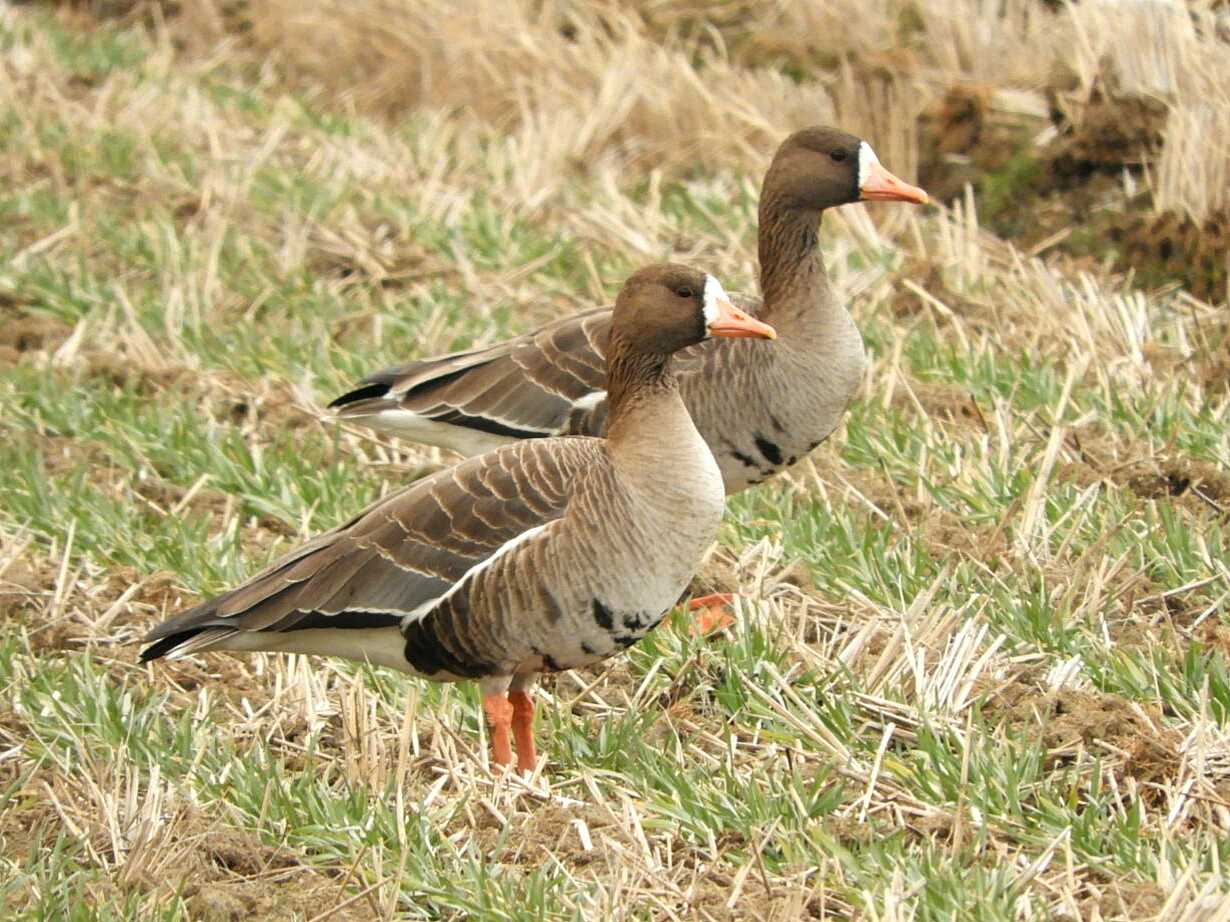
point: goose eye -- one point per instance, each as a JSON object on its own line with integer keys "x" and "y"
{"x": 684, "y": 292}
{"x": 838, "y": 155}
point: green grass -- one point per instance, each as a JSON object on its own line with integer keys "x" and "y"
{"x": 983, "y": 673}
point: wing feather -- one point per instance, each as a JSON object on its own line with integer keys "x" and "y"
{"x": 398, "y": 558}
{"x": 540, "y": 384}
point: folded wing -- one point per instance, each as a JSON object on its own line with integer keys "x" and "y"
{"x": 389, "y": 566}
{"x": 548, "y": 382}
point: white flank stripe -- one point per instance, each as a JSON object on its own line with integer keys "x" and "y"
{"x": 469, "y": 574}
{"x": 410, "y": 425}
{"x": 590, "y": 400}
{"x": 866, "y": 159}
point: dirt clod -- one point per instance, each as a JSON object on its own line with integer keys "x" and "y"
{"x": 1159, "y": 247}
{"x": 244, "y": 854}
{"x": 216, "y": 903}
{"x": 1182, "y": 477}
{"x": 1105, "y": 132}
{"x": 30, "y": 333}
{"x": 1126, "y": 900}
{"x": 940, "y": 401}
{"x": 962, "y": 139}
{"x": 1069, "y": 720}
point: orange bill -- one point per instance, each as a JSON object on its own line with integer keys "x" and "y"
{"x": 879, "y": 185}
{"x": 734, "y": 323}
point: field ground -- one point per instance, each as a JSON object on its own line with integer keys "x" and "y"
{"x": 984, "y": 671}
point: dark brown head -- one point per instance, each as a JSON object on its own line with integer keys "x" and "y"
{"x": 822, "y": 167}
{"x": 662, "y": 309}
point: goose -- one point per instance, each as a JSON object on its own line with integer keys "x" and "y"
{"x": 538, "y": 556}
{"x": 760, "y": 409}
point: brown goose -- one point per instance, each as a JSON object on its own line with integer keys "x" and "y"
{"x": 760, "y": 408}
{"x": 539, "y": 556}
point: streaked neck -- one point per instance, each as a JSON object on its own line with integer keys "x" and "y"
{"x": 792, "y": 275}
{"x": 634, "y": 378}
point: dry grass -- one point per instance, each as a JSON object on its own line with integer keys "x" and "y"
{"x": 691, "y": 84}
{"x": 984, "y": 675}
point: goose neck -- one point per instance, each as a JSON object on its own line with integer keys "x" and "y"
{"x": 637, "y": 382}
{"x": 789, "y": 249}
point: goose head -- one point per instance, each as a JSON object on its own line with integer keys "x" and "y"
{"x": 822, "y": 167}
{"x": 665, "y": 308}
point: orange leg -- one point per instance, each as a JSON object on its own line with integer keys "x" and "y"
{"x": 711, "y": 613}
{"x": 499, "y": 715}
{"x": 523, "y": 729}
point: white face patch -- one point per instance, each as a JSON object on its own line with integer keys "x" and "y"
{"x": 866, "y": 160}
{"x": 713, "y": 291}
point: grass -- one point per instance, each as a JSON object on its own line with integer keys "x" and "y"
{"x": 983, "y": 673}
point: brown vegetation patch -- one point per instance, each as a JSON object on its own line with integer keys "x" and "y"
{"x": 123, "y": 372}
{"x": 28, "y": 586}
{"x": 1001, "y": 695}
{"x": 549, "y": 831}
{"x": 26, "y": 580}
{"x": 27, "y": 822}
{"x": 617, "y": 684}
{"x": 1151, "y": 612}
{"x": 392, "y": 59}
{"x": 1182, "y": 477}
{"x": 1200, "y": 487}
{"x": 929, "y": 277}
{"x": 62, "y": 636}
{"x": 26, "y": 590}
{"x": 241, "y": 852}
{"x": 872, "y": 486}
{"x": 1070, "y": 192}
{"x": 960, "y": 119}
{"x": 159, "y": 592}
{"x": 943, "y": 531}
{"x": 944, "y": 534}
{"x": 1068, "y": 721}
{"x": 1135, "y": 634}
{"x": 222, "y": 873}
{"x": 1105, "y": 130}
{"x": 84, "y": 13}
{"x": 29, "y": 333}
{"x": 1124, "y": 899}
{"x": 1170, "y": 246}
{"x": 939, "y": 401}
{"x": 13, "y": 730}
{"x": 228, "y": 676}
{"x": 963, "y": 138}
{"x": 1029, "y": 193}
{"x": 1215, "y": 635}
{"x": 227, "y": 874}
{"x": 1213, "y": 365}
{"x": 304, "y": 895}
{"x": 169, "y": 496}
{"x": 267, "y": 407}
{"x": 63, "y": 453}
{"x": 367, "y": 252}
{"x": 717, "y": 575}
